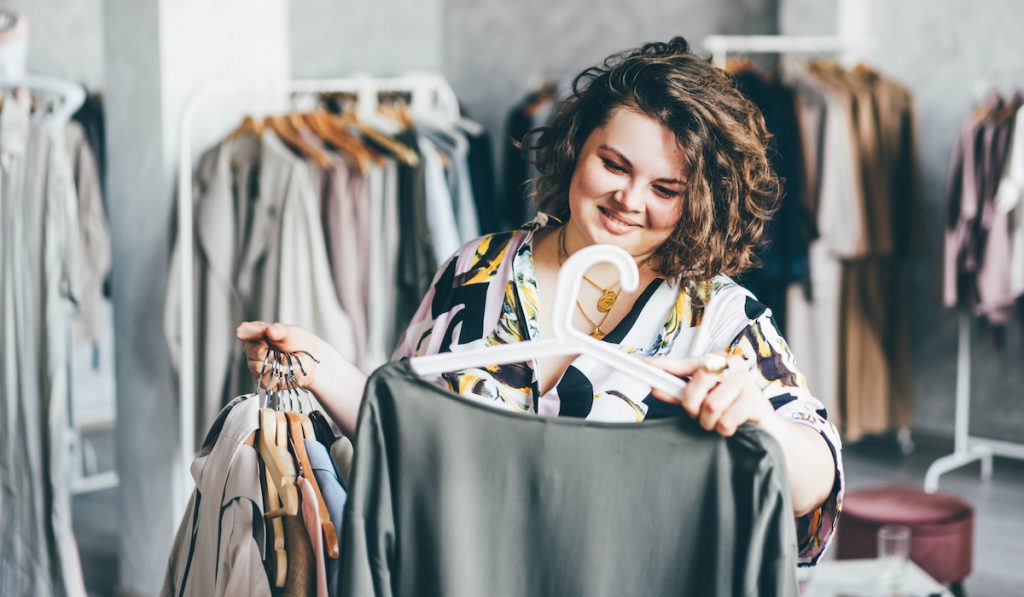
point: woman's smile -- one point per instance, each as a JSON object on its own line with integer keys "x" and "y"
{"x": 615, "y": 222}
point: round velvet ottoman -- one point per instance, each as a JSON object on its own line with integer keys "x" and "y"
{"x": 941, "y": 526}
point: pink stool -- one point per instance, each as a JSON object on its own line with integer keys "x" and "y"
{"x": 941, "y": 526}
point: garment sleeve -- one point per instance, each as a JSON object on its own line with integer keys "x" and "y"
{"x": 368, "y": 536}
{"x": 787, "y": 389}
{"x": 416, "y": 340}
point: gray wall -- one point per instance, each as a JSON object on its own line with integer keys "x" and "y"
{"x": 331, "y": 38}
{"x": 496, "y": 51}
{"x": 65, "y": 38}
{"x": 942, "y": 50}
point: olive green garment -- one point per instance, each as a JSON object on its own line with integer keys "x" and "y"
{"x": 451, "y": 497}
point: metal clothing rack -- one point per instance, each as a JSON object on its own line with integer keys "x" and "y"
{"x": 968, "y": 448}
{"x": 71, "y": 97}
{"x": 428, "y": 92}
{"x": 721, "y": 46}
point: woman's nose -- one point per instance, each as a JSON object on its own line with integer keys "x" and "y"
{"x": 629, "y": 198}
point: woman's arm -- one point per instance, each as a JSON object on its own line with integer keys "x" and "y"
{"x": 339, "y": 389}
{"x": 809, "y": 463}
{"x": 336, "y": 383}
{"x": 723, "y": 402}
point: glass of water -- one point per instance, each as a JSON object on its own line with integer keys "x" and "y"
{"x": 893, "y": 553}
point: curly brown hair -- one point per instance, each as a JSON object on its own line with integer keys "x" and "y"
{"x": 731, "y": 190}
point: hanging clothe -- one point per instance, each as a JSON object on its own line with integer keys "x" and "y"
{"x": 219, "y": 547}
{"x": 335, "y": 497}
{"x": 486, "y": 295}
{"x": 567, "y": 490}
{"x": 39, "y": 237}
{"x": 851, "y": 318}
{"x": 783, "y": 258}
{"x": 1010, "y": 200}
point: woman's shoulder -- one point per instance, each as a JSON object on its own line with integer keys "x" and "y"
{"x": 488, "y": 252}
{"x": 728, "y": 306}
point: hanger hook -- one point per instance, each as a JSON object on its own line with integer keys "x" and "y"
{"x": 263, "y": 369}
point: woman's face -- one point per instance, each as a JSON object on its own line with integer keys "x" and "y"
{"x": 627, "y": 186}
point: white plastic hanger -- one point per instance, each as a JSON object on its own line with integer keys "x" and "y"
{"x": 72, "y": 95}
{"x": 568, "y": 340}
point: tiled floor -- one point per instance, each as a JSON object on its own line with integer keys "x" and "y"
{"x": 999, "y": 526}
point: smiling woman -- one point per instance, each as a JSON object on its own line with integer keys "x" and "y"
{"x": 657, "y": 153}
{"x": 663, "y": 123}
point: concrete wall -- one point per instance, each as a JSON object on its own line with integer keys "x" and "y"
{"x": 331, "y": 38}
{"x": 157, "y": 53}
{"x": 944, "y": 51}
{"x": 66, "y": 37}
{"x": 496, "y": 51}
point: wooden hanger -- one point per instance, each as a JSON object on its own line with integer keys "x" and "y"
{"x": 287, "y": 133}
{"x": 335, "y": 123}
{"x": 271, "y": 497}
{"x": 272, "y": 504}
{"x": 545, "y": 94}
{"x": 280, "y": 471}
{"x": 739, "y": 64}
{"x": 401, "y": 152}
{"x": 348, "y": 147}
{"x": 397, "y": 111}
{"x": 298, "y": 436}
{"x": 1009, "y": 109}
{"x": 248, "y": 126}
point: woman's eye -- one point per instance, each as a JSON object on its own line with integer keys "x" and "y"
{"x": 665, "y": 192}
{"x": 613, "y": 166}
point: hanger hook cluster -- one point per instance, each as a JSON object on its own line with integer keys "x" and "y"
{"x": 281, "y": 389}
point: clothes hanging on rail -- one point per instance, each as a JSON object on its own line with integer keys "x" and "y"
{"x": 1010, "y": 200}
{"x": 983, "y": 221}
{"x": 92, "y": 373}
{"x": 439, "y": 531}
{"x": 783, "y": 259}
{"x": 533, "y": 111}
{"x": 39, "y": 237}
{"x": 322, "y": 221}
{"x": 90, "y": 118}
{"x": 851, "y": 318}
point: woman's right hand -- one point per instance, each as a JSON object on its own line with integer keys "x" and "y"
{"x": 260, "y": 337}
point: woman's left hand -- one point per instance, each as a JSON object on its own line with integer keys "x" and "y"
{"x": 720, "y": 401}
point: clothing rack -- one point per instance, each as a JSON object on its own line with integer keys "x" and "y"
{"x": 428, "y": 92}
{"x": 968, "y": 448}
{"x": 71, "y": 96}
{"x": 721, "y": 46}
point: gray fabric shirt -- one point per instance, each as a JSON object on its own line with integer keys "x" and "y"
{"x": 452, "y": 497}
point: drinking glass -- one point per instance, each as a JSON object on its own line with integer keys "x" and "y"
{"x": 893, "y": 553}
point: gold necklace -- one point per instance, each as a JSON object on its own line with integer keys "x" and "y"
{"x": 608, "y": 295}
{"x": 604, "y": 304}
{"x": 597, "y": 332}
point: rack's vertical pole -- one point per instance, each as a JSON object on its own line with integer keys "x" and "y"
{"x": 963, "y": 386}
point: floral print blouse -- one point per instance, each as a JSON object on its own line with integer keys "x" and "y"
{"x": 486, "y": 294}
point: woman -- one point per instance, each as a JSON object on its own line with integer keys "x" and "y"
{"x": 658, "y": 154}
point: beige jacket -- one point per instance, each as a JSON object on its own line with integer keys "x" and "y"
{"x": 219, "y": 547}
